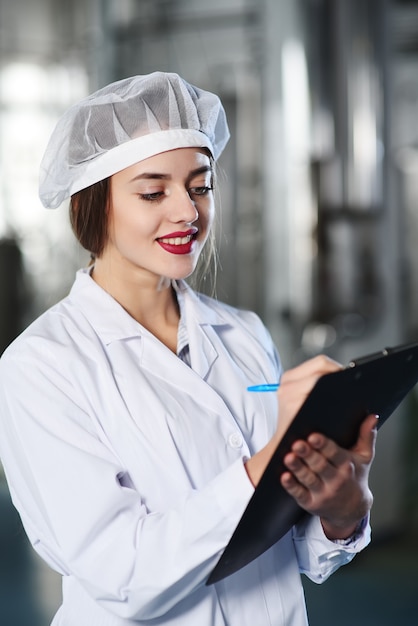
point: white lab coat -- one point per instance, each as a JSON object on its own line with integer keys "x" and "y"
{"x": 126, "y": 465}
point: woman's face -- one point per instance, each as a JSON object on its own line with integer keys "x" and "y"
{"x": 161, "y": 212}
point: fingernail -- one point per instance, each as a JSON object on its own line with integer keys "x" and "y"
{"x": 299, "y": 447}
{"x": 315, "y": 441}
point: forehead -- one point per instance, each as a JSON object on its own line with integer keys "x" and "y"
{"x": 179, "y": 162}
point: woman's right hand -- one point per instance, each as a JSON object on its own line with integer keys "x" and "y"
{"x": 295, "y": 386}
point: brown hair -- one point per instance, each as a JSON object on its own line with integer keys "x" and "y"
{"x": 89, "y": 214}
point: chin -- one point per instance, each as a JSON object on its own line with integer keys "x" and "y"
{"x": 181, "y": 273}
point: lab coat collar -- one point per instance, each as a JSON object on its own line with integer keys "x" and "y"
{"x": 108, "y": 318}
{"x": 112, "y": 323}
{"x": 201, "y": 322}
{"x": 195, "y": 305}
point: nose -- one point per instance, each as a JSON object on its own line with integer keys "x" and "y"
{"x": 183, "y": 207}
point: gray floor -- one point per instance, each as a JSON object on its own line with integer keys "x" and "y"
{"x": 379, "y": 588}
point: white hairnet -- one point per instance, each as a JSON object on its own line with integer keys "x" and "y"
{"x": 124, "y": 123}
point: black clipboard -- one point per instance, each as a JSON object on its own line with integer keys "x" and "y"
{"x": 335, "y": 407}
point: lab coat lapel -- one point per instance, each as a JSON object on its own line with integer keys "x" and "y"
{"x": 201, "y": 323}
{"x": 159, "y": 361}
{"x": 202, "y": 351}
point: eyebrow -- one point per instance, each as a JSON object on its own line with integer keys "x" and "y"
{"x": 158, "y": 176}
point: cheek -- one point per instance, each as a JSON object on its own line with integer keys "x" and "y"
{"x": 126, "y": 226}
{"x": 207, "y": 216}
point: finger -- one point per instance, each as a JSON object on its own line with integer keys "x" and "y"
{"x": 317, "y": 366}
{"x": 295, "y": 489}
{"x": 310, "y": 469}
{"x": 365, "y": 445}
{"x": 317, "y": 462}
{"x": 328, "y": 448}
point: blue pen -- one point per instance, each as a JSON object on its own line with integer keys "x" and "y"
{"x": 264, "y": 387}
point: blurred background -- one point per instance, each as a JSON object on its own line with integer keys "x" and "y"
{"x": 317, "y": 228}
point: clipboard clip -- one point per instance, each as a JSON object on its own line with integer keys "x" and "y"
{"x": 371, "y": 357}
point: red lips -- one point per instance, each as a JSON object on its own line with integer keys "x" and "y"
{"x": 179, "y": 242}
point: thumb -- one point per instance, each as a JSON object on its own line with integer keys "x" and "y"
{"x": 366, "y": 440}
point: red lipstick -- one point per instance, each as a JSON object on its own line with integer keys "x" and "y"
{"x": 179, "y": 242}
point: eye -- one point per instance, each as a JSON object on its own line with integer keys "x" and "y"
{"x": 154, "y": 196}
{"x": 200, "y": 191}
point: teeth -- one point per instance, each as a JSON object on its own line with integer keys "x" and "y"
{"x": 176, "y": 241}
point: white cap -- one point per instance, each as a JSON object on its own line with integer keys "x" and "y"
{"x": 124, "y": 123}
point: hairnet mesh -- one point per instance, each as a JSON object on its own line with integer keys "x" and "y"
{"x": 124, "y": 123}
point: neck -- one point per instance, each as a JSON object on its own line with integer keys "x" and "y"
{"x": 149, "y": 299}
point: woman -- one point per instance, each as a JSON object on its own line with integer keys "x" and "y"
{"x": 129, "y": 440}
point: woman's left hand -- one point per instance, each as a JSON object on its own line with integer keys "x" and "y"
{"x": 332, "y": 482}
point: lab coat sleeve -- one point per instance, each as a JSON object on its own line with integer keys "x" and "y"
{"x": 318, "y": 556}
{"x": 85, "y": 520}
